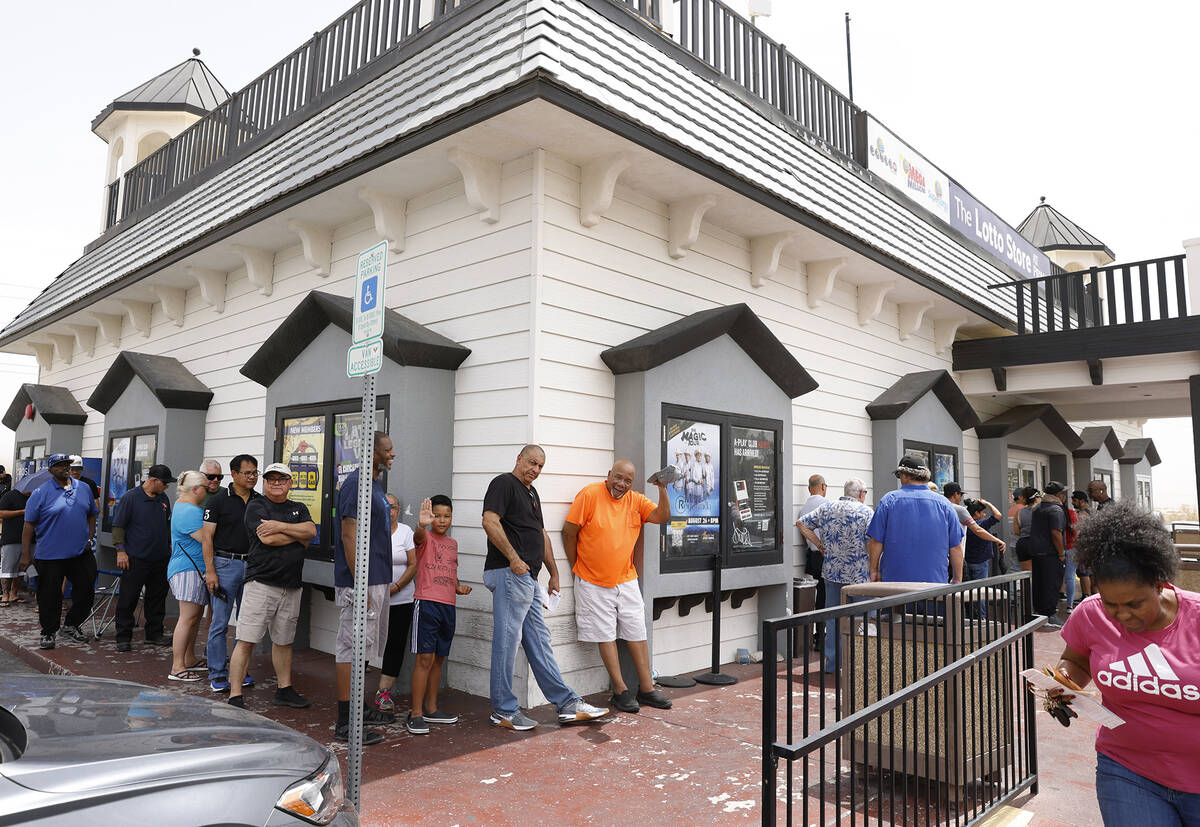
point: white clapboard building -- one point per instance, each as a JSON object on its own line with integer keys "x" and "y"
{"x": 615, "y": 228}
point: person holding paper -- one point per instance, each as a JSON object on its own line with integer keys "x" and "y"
{"x": 1139, "y": 640}
{"x": 600, "y": 537}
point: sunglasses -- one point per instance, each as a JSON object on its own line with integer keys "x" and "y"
{"x": 215, "y": 476}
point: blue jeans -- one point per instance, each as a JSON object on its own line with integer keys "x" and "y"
{"x": 1127, "y": 798}
{"x": 230, "y": 574}
{"x": 517, "y": 618}
{"x": 1070, "y": 578}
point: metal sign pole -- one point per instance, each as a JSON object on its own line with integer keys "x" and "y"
{"x": 362, "y": 549}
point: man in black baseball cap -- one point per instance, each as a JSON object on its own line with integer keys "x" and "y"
{"x": 142, "y": 536}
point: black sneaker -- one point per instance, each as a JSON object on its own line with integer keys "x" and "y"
{"x": 238, "y": 701}
{"x": 624, "y": 701}
{"x": 655, "y": 699}
{"x": 124, "y": 646}
{"x": 417, "y": 725}
{"x": 439, "y": 717}
{"x": 161, "y": 640}
{"x": 371, "y": 715}
{"x": 74, "y": 633}
{"x": 47, "y": 642}
{"x": 288, "y": 696}
{"x": 370, "y": 736}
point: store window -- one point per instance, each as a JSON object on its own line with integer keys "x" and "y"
{"x": 941, "y": 460}
{"x": 130, "y": 455}
{"x": 726, "y": 500}
{"x": 31, "y": 457}
{"x": 320, "y": 444}
{"x": 1143, "y": 493}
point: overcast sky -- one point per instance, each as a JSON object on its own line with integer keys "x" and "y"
{"x": 1090, "y": 104}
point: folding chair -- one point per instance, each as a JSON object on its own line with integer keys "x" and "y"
{"x": 104, "y": 607}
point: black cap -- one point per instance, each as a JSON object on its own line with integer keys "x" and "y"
{"x": 951, "y": 488}
{"x": 1054, "y": 488}
{"x": 1078, "y": 495}
{"x": 912, "y": 465}
{"x": 161, "y": 472}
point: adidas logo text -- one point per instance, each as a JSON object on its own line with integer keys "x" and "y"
{"x": 1147, "y": 672}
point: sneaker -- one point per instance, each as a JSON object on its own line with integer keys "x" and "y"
{"x": 370, "y": 736}
{"x": 1054, "y": 623}
{"x": 440, "y": 717}
{"x": 624, "y": 701}
{"x": 247, "y": 682}
{"x": 238, "y": 701}
{"x": 655, "y": 699}
{"x": 288, "y": 696}
{"x": 375, "y": 716}
{"x": 417, "y": 725}
{"x": 75, "y": 634}
{"x": 124, "y": 646}
{"x": 219, "y": 684}
{"x": 581, "y": 711}
{"x": 518, "y": 721}
{"x": 161, "y": 640}
{"x": 383, "y": 700}
{"x": 47, "y": 642}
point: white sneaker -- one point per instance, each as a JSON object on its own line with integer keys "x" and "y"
{"x": 582, "y": 711}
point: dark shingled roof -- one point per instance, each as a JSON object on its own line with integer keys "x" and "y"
{"x": 55, "y": 405}
{"x": 1092, "y": 439}
{"x": 1014, "y": 419}
{"x": 684, "y": 335}
{"x": 1048, "y": 229}
{"x": 1137, "y": 450}
{"x": 165, "y": 376}
{"x": 902, "y": 395}
{"x": 190, "y": 87}
{"x": 404, "y": 341}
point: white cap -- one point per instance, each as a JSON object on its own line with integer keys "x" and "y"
{"x": 76, "y": 461}
{"x": 277, "y": 468}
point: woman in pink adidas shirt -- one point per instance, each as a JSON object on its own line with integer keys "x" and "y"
{"x": 1139, "y": 640}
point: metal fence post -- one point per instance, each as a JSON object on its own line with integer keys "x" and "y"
{"x": 770, "y": 722}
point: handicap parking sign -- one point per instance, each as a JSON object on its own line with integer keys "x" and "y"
{"x": 370, "y": 293}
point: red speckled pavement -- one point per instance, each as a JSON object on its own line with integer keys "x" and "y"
{"x": 697, "y": 763}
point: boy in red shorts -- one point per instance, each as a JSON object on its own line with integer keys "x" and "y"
{"x": 433, "y": 611}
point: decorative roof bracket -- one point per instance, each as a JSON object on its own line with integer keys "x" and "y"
{"x": 316, "y": 242}
{"x": 597, "y": 184}
{"x": 481, "y": 182}
{"x": 391, "y": 216}
{"x": 685, "y": 218}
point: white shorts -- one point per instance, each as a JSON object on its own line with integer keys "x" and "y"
{"x": 377, "y": 622}
{"x": 605, "y": 614}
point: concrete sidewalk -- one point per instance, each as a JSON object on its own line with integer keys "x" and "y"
{"x": 698, "y": 763}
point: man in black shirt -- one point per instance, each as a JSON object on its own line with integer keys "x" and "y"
{"x": 226, "y": 544}
{"x": 142, "y": 535}
{"x": 279, "y": 530}
{"x": 12, "y": 521}
{"x": 518, "y": 546}
{"x": 77, "y": 473}
{"x": 1048, "y": 526}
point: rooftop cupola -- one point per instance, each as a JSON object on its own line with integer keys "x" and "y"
{"x": 1066, "y": 243}
{"x": 138, "y": 123}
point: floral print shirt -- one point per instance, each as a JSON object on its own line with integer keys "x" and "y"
{"x": 843, "y": 528}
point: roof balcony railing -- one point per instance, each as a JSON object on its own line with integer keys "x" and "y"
{"x": 1119, "y": 294}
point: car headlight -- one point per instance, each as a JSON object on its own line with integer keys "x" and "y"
{"x": 318, "y": 797}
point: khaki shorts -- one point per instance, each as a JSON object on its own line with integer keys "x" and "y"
{"x": 607, "y": 614}
{"x": 377, "y": 623}
{"x": 266, "y": 608}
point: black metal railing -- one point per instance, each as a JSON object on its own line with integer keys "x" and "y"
{"x": 731, "y": 44}
{"x": 308, "y": 78}
{"x": 114, "y": 200}
{"x": 927, "y": 720}
{"x": 1140, "y": 291}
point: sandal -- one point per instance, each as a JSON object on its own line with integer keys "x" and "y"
{"x": 4, "y": 604}
{"x": 186, "y": 675}
{"x": 199, "y": 666}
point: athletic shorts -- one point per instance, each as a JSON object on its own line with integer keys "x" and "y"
{"x": 605, "y": 614}
{"x": 378, "y": 608}
{"x": 189, "y": 587}
{"x": 265, "y": 608}
{"x": 432, "y": 627}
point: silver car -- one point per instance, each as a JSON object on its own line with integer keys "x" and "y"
{"x": 86, "y": 751}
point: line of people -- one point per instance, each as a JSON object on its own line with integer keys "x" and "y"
{"x": 218, "y": 547}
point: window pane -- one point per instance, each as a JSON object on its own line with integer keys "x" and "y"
{"x": 944, "y": 470}
{"x": 118, "y": 473}
{"x": 695, "y": 449}
{"x": 753, "y": 478}
{"x": 304, "y": 452}
{"x": 145, "y": 448}
{"x": 347, "y": 436}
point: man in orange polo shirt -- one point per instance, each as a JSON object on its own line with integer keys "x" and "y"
{"x": 600, "y": 537}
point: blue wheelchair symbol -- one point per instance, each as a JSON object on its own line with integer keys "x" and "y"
{"x": 369, "y": 294}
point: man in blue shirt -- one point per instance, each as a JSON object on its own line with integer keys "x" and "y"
{"x": 915, "y": 536}
{"x": 379, "y": 578}
{"x": 142, "y": 536}
{"x": 61, "y": 514}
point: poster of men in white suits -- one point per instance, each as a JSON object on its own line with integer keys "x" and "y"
{"x": 695, "y": 448}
